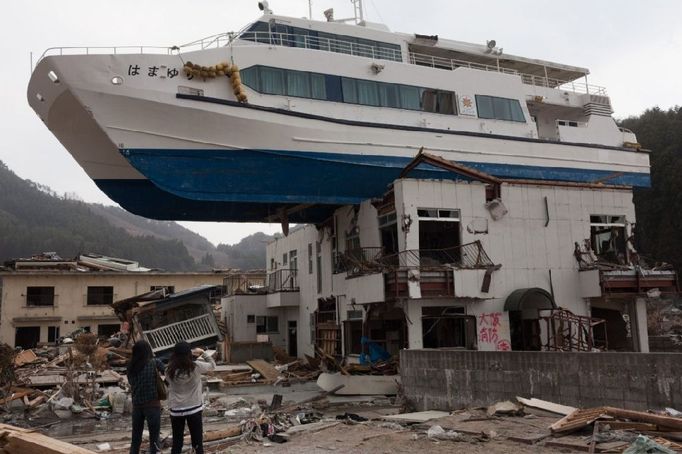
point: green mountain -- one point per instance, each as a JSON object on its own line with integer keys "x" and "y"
{"x": 35, "y": 219}
{"x": 659, "y": 208}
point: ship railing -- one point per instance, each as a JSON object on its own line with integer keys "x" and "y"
{"x": 107, "y": 50}
{"x": 322, "y": 43}
{"x": 528, "y": 79}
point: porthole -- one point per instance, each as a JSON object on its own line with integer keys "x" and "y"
{"x": 117, "y": 80}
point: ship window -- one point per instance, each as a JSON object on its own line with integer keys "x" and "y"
{"x": 345, "y": 89}
{"x": 333, "y": 87}
{"x": 388, "y": 95}
{"x": 318, "y": 86}
{"x": 368, "y": 94}
{"x": 249, "y": 77}
{"x": 410, "y": 97}
{"x": 438, "y": 101}
{"x": 272, "y": 81}
{"x": 117, "y": 80}
{"x": 446, "y": 104}
{"x": 298, "y": 84}
{"x": 492, "y": 107}
{"x": 350, "y": 91}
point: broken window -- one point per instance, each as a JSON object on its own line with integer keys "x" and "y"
{"x": 310, "y": 258}
{"x": 40, "y": 296}
{"x": 169, "y": 288}
{"x": 318, "y": 248}
{"x": 607, "y": 237}
{"x": 439, "y": 236}
{"x": 52, "y": 334}
{"x": 284, "y": 259}
{"x": 327, "y": 330}
{"x": 447, "y": 327}
{"x": 107, "y": 331}
{"x": 388, "y": 228}
{"x": 267, "y": 324}
{"x": 386, "y": 325}
{"x": 250, "y": 319}
{"x": 98, "y": 296}
{"x": 616, "y": 332}
{"x": 353, "y": 240}
{"x": 353, "y": 333}
{"x": 27, "y": 337}
{"x": 293, "y": 260}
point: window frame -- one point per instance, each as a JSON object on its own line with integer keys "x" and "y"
{"x": 51, "y": 297}
{"x": 93, "y": 298}
{"x": 266, "y": 326}
{"x": 511, "y": 102}
{"x": 346, "y": 90}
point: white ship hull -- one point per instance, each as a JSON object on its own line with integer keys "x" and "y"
{"x": 164, "y": 153}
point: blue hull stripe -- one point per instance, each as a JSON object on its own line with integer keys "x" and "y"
{"x": 276, "y": 176}
{"x": 143, "y": 198}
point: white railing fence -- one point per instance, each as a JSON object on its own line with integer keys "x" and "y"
{"x": 191, "y": 330}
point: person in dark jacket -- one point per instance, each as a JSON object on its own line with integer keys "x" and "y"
{"x": 142, "y": 371}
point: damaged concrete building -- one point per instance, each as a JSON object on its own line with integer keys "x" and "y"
{"x": 467, "y": 262}
{"x": 46, "y": 297}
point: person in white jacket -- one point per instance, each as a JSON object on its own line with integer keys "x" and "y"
{"x": 185, "y": 400}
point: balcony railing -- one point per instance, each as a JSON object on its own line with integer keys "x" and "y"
{"x": 528, "y": 79}
{"x": 359, "y": 261}
{"x": 470, "y": 255}
{"x": 285, "y": 280}
{"x": 239, "y": 285}
{"x": 192, "y": 330}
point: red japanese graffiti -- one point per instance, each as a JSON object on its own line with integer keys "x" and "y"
{"x": 488, "y": 333}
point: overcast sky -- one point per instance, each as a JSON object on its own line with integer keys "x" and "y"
{"x": 632, "y": 47}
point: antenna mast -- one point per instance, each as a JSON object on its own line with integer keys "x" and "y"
{"x": 357, "y": 11}
{"x": 310, "y": 9}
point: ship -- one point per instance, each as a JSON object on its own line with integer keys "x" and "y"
{"x": 290, "y": 118}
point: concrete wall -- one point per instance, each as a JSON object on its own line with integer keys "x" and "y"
{"x": 445, "y": 380}
{"x": 70, "y": 310}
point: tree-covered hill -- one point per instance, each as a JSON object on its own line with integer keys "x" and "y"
{"x": 659, "y": 209}
{"x": 34, "y": 219}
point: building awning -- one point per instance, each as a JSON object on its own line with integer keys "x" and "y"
{"x": 97, "y": 317}
{"x": 35, "y": 319}
{"x": 529, "y": 298}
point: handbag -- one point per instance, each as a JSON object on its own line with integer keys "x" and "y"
{"x": 161, "y": 390}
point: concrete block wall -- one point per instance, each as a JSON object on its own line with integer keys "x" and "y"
{"x": 447, "y": 380}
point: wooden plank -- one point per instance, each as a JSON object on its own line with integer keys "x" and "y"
{"x": 266, "y": 369}
{"x": 21, "y": 440}
{"x": 24, "y": 357}
{"x": 578, "y": 446}
{"x": 661, "y": 421}
{"x": 626, "y": 425}
{"x": 578, "y": 419}
{"x": 547, "y": 406}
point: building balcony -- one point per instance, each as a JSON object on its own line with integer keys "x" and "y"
{"x": 360, "y": 261}
{"x": 433, "y": 273}
{"x": 282, "y": 289}
{"x": 596, "y": 283}
{"x": 284, "y": 280}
